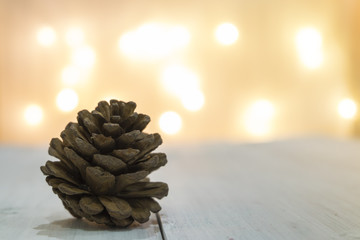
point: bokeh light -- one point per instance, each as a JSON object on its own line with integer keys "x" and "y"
{"x": 67, "y": 100}
{"x": 71, "y": 75}
{"x": 179, "y": 36}
{"x": 193, "y": 100}
{"x": 347, "y": 108}
{"x": 170, "y": 122}
{"x": 179, "y": 80}
{"x": 258, "y": 117}
{"x": 74, "y": 37}
{"x": 153, "y": 41}
{"x": 83, "y": 57}
{"x": 33, "y": 115}
{"x": 46, "y": 36}
{"x": 198, "y": 64}
{"x": 227, "y": 33}
{"x": 309, "y": 47}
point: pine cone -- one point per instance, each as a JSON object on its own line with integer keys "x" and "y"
{"x": 104, "y": 162}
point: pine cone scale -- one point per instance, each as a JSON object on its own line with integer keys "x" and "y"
{"x": 104, "y": 108}
{"x": 87, "y": 120}
{"x": 56, "y": 169}
{"x": 124, "y": 180}
{"x": 91, "y": 205}
{"x": 79, "y": 163}
{"x": 111, "y": 164}
{"x": 71, "y": 190}
{"x": 145, "y": 189}
{"x": 84, "y": 148}
{"x": 125, "y": 154}
{"x": 99, "y": 181}
{"x": 112, "y": 129}
{"x": 123, "y": 222}
{"x": 116, "y": 207}
{"x": 102, "y": 143}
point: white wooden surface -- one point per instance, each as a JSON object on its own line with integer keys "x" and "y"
{"x": 29, "y": 209}
{"x": 295, "y": 189}
{"x": 298, "y": 189}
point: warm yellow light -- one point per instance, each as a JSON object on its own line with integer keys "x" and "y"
{"x": 67, "y": 100}
{"x": 33, "y": 115}
{"x": 74, "y": 37}
{"x": 179, "y": 36}
{"x": 309, "y": 47}
{"x": 71, "y": 75}
{"x": 179, "y": 80}
{"x": 347, "y": 108}
{"x": 227, "y": 33}
{"x": 153, "y": 41}
{"x": 146, "y": 42}
{"x": 84, "y": 57}
{"x": 46, "y": 36}
{"x": 258, "y": 117}
{"x": 193, "y": 100}
{"x": 110, "y": 97}
{"x": 170, "y": 122}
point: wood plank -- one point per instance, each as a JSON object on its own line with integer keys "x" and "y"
{"x": 29, "y": 209}
{"x": 298, "y": 189}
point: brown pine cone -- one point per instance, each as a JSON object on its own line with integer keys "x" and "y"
{"x": 104, "y": 161}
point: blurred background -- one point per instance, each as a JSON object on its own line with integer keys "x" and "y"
{"x": 235, "y": 70}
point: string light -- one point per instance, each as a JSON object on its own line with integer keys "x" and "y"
{"x": 170, "y": 122}
{"x": 193, "y": 100}
{"x": 83, "y": 57}
{"x": 179, "y": 80}
{"x": 46, "y": 36}
{"x": 153, "y": 41}
{"x": 258, "y": 117}
{"x": 227, "y": 33}
{"x": 309, "y": 47}
{"x": 184, "y": 84}
{"x": 67, "y": 100}
{"x": 74, "y": 37}
{"x": 33, "y": 115}
{"x": 347, "y": 108}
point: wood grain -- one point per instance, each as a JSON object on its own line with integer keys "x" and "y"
{"x": 29, "y": 209}
{"x": 296, "y": 189}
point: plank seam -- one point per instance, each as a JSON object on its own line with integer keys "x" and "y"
{"x": 158, "y": 218}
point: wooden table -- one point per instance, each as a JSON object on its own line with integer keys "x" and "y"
{"x": 294, "y": 189}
